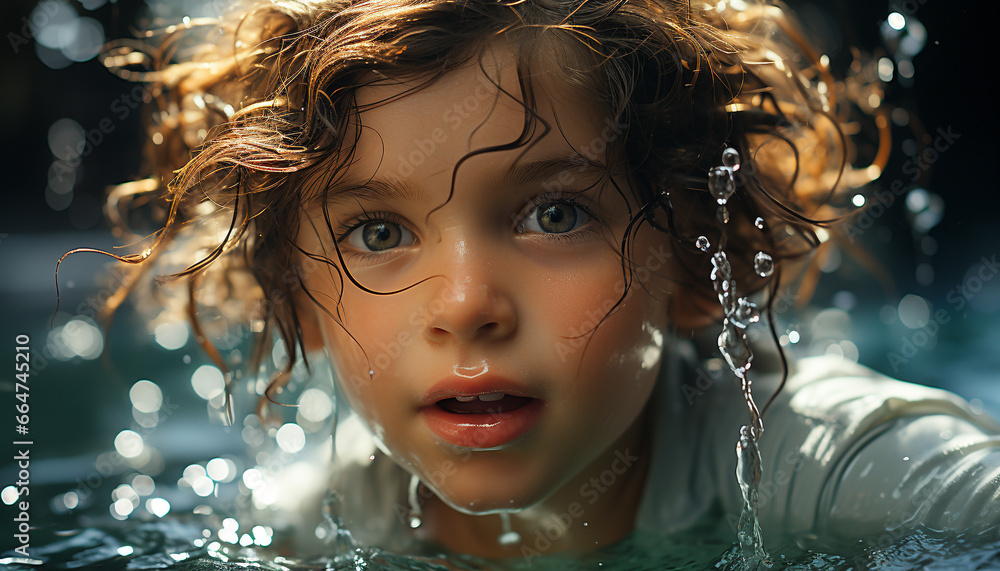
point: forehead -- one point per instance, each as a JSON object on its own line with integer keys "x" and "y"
{"x": 423, "y": 134}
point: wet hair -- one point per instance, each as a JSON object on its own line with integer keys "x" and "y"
{"x": 253, "y": 118}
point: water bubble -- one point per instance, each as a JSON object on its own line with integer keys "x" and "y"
{"x": 746, "y": 313}
{"x": 763, "y": 264}
{"x": 722, "y": 214}
{"x": 731, "y": 158}
{"x": 702, "y": 243}
{"x": 759, "y": 223}
{"x": 734, "y": 348}
{"x": 721, "y": 183}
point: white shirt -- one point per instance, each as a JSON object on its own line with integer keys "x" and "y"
{"x": 846, "y": 452}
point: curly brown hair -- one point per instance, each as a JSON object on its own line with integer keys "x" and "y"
{"x": 251, "y": 121}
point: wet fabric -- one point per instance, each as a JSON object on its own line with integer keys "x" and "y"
{"x": 847, "y": 452}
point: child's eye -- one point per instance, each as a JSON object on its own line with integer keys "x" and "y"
{"x": 377, "y": 234}
{"x": 555, "y": 217}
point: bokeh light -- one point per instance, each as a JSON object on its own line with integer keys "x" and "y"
{"x": 129, "y": 443}
{"x": 291, "y": 438}
{"x": 146, "y": 396}
{"x": 914, "y": 311}
{"x": 208, "y": 382}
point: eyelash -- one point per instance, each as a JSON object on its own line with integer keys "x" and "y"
{"x": 572, "y": 236}
{"x": 565, "y": 237}
{"x": 346, "y": 228}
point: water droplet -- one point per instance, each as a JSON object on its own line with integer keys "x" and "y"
{"x": 721, "y": 183}
{"x": 734, "y": 347}
{"x": 731, "y": 158}
{"x": 702, "y": 243}
{"x": 759, "y": 223}
{"x": 746, "y": 313}
{"x": 721, "y": 270}
{"x": 763, "y": 264}
{"x": 509, "y": 538}
{"x": 722, "y": 214}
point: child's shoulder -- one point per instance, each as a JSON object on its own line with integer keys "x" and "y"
{"x": 849, "y": 452}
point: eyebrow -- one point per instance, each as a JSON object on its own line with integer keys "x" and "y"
{"x": 392, "y": 189}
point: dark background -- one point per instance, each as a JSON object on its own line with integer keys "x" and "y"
{"x": 80, "y": 404}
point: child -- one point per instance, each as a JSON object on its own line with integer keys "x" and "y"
{"x": 496, "y": 219}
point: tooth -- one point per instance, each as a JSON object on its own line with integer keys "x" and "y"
{"x": 491, "y": 397}
{"x": 465, "y": 399}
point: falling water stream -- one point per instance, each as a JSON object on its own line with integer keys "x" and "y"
{"x": 739, "y": 313}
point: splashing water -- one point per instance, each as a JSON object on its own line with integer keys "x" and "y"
{"x": 734, "y": 347}
{"x": 336, "y": 535}
{"x": 721, "y": 183}
{"x": 763, "y": 264}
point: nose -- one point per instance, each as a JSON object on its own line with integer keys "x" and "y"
{"x": 473, "y": 303}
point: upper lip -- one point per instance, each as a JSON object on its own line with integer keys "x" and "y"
{"x": 456, "y": 386}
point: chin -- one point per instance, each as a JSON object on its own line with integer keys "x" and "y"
{"x": 486, "y": 491}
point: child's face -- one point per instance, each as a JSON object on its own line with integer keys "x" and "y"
{"x": 514, "y": 272}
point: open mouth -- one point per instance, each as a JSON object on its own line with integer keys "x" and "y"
{"x": 483, "y": 422}
{"x": 490, "y": 404}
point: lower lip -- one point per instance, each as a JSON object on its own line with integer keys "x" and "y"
{"x": 482, "y": 430}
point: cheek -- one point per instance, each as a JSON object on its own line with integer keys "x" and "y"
{"x": 366, "y": 351}
{"x": 619, "y": 361}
